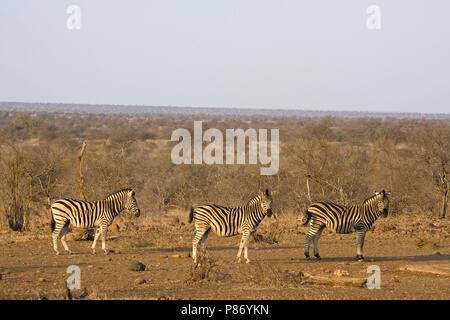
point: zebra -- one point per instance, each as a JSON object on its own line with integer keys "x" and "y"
{"x": 227, "y": 222}
{"x": 340, "y": 219}
{"x": 84, "y": 214}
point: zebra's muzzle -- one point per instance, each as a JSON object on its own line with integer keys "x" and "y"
{"x": 385, "y": 213}
{"x": 137, "y": 213}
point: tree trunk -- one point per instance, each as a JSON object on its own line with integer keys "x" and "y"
{"x": 80, "y": 172}
{"x": 444, "y": 205}
{"x": 308, "y": 188}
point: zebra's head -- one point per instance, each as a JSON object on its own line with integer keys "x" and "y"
{"x": 131, "y": 204}
{"x": 383, "y": 201}
{"x": 266, "y": 202}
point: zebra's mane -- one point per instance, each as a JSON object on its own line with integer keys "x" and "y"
{"x": 117, "y": 192}
{"x": 254, "y": 200}
{"x": 369, "y": 199}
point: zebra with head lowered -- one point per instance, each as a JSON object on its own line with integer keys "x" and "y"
{"x": 83, "y": 214}
{"x": 227, "y": 222}
{"x": 357, "y": 218}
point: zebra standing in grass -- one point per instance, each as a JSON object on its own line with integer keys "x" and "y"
{"x": 227, "y": 222}
{"x": 84, "y": 214}
{"x": 357, "y": 218}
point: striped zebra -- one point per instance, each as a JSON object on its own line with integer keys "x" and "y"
{"x": 227, "y": 222}
{"x": 84, "y": 214}
{"x": 357, "y": 218}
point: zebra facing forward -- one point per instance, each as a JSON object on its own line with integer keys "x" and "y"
{"x": 357, "y": 218}
{"x": 227, "y": 222}
{"x": 84, "y": 214}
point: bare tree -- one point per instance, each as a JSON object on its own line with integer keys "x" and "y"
{"x": 433, "y": 147}
{"x": 80, "y": 171}
{"x": 18, "y": 187}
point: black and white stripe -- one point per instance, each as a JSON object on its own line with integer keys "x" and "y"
{"x": 227, "y": 222}
{"x": 84, "y": 214}
{"x": 357, "y": 218}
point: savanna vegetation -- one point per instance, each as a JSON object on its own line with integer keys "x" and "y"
{"x": 342, "y": 160}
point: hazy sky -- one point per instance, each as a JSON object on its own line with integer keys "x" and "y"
{"x": 316, "y": 55}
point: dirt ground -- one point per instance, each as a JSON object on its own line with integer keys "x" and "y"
{"x": 28, "y": 264}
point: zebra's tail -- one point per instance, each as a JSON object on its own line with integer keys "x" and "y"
{"x": 191, "y": 215}
{"x": 52, "y": 222}
{"x": 306, "y": 218}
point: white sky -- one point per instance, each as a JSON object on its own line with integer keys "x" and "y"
{"x": 316, "y": 55}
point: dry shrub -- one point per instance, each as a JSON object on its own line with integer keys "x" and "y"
{"x": 205, "y": 270}
{"x": 78, "y": 234}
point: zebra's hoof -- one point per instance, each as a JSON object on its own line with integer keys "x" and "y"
{"x": 93, "y": 251}
{"x": 57, "y": 253}
{"x": 307, "y": 257}
{"x": 247, "y": 262}
{"x": 69, "y": 252}
{"x": 360, "y": 258}
{"x": 238, "y": 260}
{"x": 106, "y": 252}
{"x": 317, "y": 257}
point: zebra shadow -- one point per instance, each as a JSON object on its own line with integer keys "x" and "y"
{"x": 423, "y": 258}
{"x": 223, "y": 248}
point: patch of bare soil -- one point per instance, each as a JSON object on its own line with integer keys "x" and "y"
{"x": 29, "y": 267}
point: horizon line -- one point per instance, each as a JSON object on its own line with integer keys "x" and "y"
{"x": 231, "y": 108}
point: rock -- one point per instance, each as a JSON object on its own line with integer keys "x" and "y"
{"x": 136, "y": 266}
{"x": 395, "y": 279}
{"x": 181, "y": 255}
{"x": 139, "y": 281}
{"x": 439, "y": 269}
{"x": 436, "y": 253}
{"x": 333, "y": 280}
{"x": 341, "y": 273}
{"x": 41, "y": 280}
{"x": 90, "y": 266}
{"x": 114, "y": 228}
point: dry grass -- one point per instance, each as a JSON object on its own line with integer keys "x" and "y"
{"x": 205, "y": 270}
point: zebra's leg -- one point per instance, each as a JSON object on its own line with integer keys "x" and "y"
{"x": 56, "y": 233}
{"x": 198, "y": 236}
{"x": 309, "y": 236}
{"x": 247, "y": 260}
{"x": 360, "y": 236}
{"x": 202, "y": 242}
{"x": 97, "y": 234}
{"x": 316, "y": 242}
{"x": 243, "y": 244}
{"x": 103, "y": 230}
{"x": 63, "y": 238}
